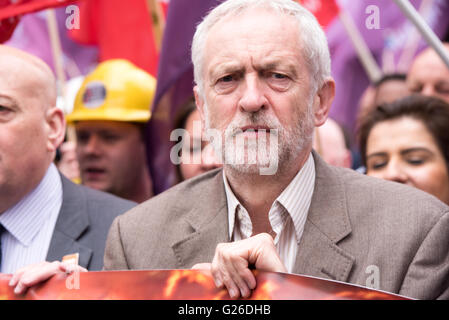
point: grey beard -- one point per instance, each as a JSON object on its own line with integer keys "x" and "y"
{"x": 253, "y": 156}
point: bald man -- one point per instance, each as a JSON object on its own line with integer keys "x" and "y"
{"x": 330, "y": 142}
{"x": 429, "y": 75}
{"x": 43, "y": 216}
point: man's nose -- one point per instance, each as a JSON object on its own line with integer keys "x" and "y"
{"x": 428, "y": 90}
{"x": 92, "y": 145}
{"x": 253, "y": 97}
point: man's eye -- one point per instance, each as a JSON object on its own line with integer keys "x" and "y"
{"x": 278, "y": 76}
{"x": 226, "y": 84}
{"x": 278, "y": 81}
{"x": 227, "y": 78}
{"x": 110, "y": 137}
{"x": 416, "y": 88}
{"x": 4, "y": 109}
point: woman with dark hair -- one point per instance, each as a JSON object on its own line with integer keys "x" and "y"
{"x": 188, "y": 118}
{"x": 407, "y": 141}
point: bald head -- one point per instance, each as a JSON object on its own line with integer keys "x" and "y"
{"x": 31, "y": 126}
{"x": 31, "y": 73}
{"x": 429, "y": 75}
{"x": 329, "y": 141}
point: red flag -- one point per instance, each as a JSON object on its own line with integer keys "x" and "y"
{"x": 11, "y": 10}
{"x": 120, "y": 29}
{"x": 324, "y": 10}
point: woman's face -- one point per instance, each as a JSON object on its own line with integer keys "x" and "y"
{"x": 197, "y": 156}
{"x": 403, "y": 150}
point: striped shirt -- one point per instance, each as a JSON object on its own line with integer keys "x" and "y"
{"x": 30, "y": 223}
{"x": 287, "y": 215}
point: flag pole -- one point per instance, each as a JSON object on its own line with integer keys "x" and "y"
{"x": 56, "y": 47}
{"x": 158, "y": 19}
{"x": 412, "y": 41}
{"x": 366, "y": 58}
{"x": 427, "y": 33}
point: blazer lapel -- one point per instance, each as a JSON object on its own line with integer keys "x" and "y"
{"x": 72, "y": 221}
{"x": 207, "y": 220}
{"x": 327, "y": 224}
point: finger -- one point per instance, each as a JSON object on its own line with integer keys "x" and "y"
{"x": 70, "y": 268}
{"x": 202, "y": 266}
{"x": 243, "y": 278}
{"x": 35, "y": 275}
{"x": 230, "y": 274}
{"x": 17, "y": 275}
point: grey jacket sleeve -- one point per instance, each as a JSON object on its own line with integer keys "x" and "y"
{"x": 428, "y": 273}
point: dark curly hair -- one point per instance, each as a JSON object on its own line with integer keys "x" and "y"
{"x": 431, "y": 111}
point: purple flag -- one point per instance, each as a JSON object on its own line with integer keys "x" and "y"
{"x": 392, "y": 34}
{"x": 31, "y": 35}
{"x": 175, "y": 84}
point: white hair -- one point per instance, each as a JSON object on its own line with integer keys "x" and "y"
{"x": 315, "y": 49}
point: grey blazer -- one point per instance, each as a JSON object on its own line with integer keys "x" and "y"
{"x": 83, "y": 223}
{"x": 357, "y": 228}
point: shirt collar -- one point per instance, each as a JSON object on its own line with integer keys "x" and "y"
{"x": 26, "y": 218}
{"x": 295, "y": 198}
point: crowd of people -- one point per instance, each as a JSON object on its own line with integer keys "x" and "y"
{"x": 260, "y": 66}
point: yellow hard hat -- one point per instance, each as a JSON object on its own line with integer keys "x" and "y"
{"x": 116, "y": 90}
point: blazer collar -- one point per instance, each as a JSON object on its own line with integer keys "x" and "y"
{"x": 318, "y": 252}
{"x": 72, "y": 221}
{"x": 327, "y": 224}
{"x": 208, "y": 222}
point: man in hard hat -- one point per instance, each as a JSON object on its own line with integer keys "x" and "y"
{"x": 110, "y": 113}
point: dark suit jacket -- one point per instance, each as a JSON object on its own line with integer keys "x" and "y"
{"x": 357, "y": 226}
{"x": 83, "y": 223}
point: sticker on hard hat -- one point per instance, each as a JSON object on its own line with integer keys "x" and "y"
{"x": 94, "y": 95}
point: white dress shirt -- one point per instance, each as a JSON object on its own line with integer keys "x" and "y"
{"x": 30, "y": 223}
{"x": 287, "y": 214}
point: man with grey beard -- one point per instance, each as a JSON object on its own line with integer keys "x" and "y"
{"x": 262, "y": 74}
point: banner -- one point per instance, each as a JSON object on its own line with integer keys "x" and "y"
{"x": 186, "y": 285}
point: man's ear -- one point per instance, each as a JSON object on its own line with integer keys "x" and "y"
{"x": 323, "y": 101}
{"x": 55, "y": 128}
{"x": 199, "y": 100}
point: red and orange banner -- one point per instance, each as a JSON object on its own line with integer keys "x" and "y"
{"x": 185, "y": 285}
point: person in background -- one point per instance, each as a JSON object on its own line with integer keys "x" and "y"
{"x": 331, "y": 143}
{"x": 43, "y": 215}
{"x": 188, "y": 118}
{"x": 407, "y": 141}
{"x": 110, "y": 113}
{"x": 390, "y": 87}
{"x": 429, "y": 75}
